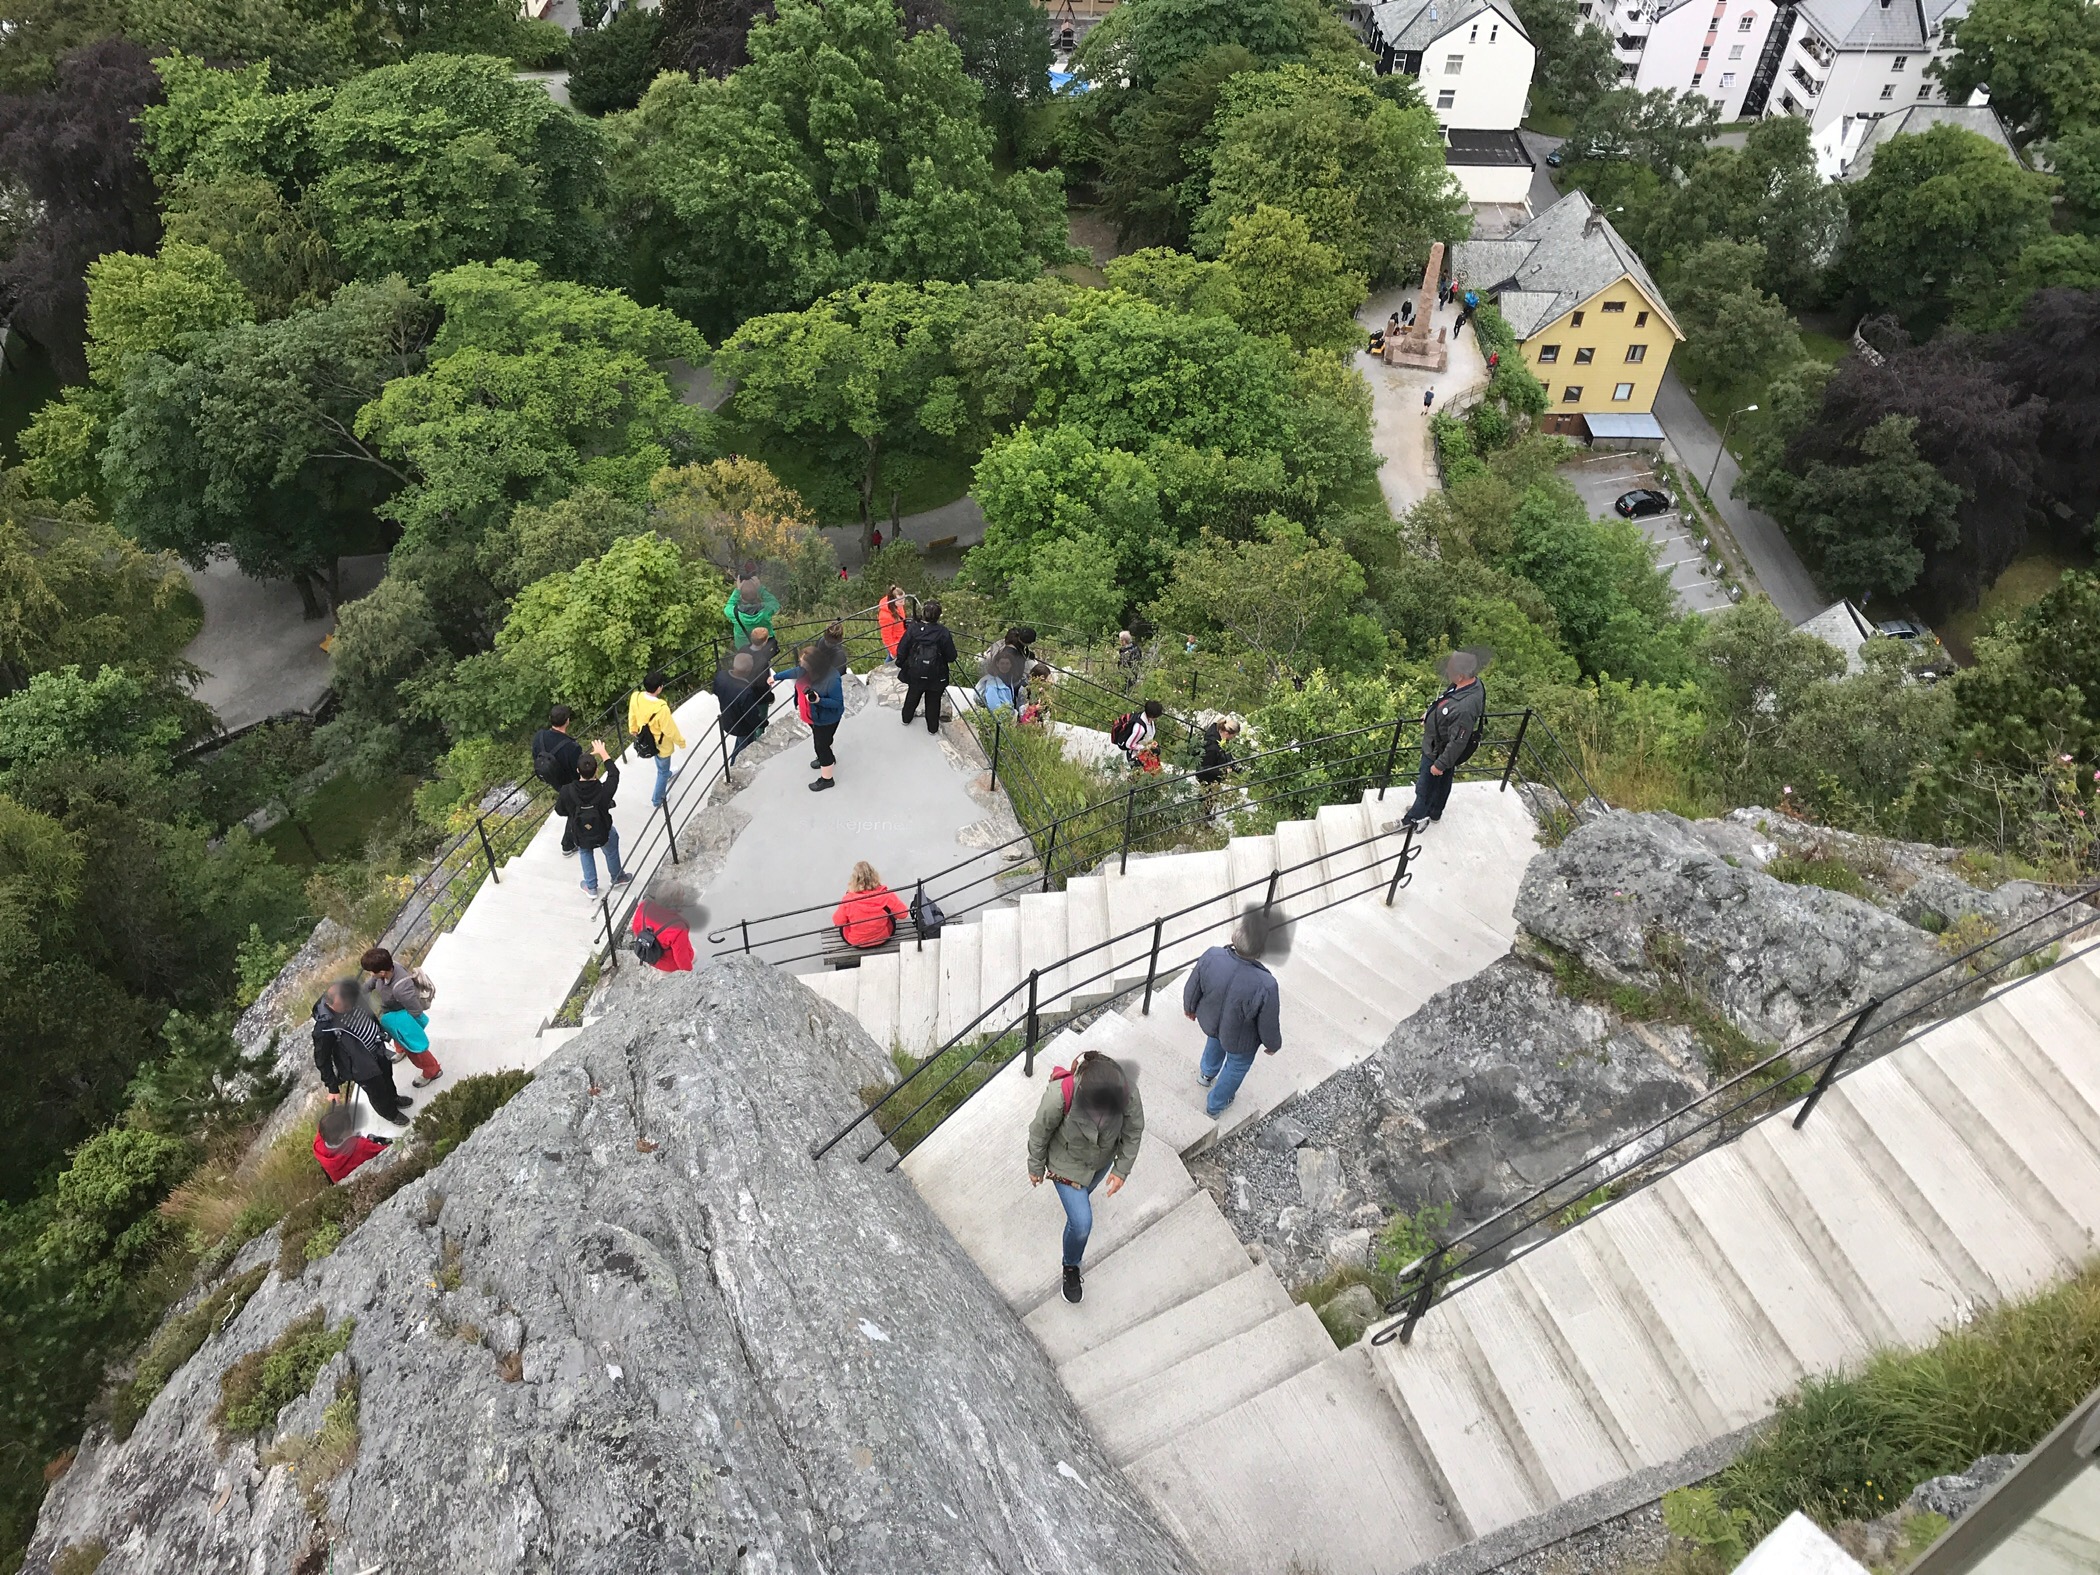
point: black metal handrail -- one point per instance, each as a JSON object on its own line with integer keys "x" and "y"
{"x": 1634, "y": 1163}
{"x": 1113, "y": 827}
{"x": 1029, "y": 1020}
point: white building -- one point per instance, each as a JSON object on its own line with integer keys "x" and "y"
{"x": 1708, "y": 47}
{"x": 1856, "y": 59}
{"x": 1473, "y": 62}
{"x": 1845, "y": 149}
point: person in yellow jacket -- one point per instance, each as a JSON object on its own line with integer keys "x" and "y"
{"x": 654, "y": 729}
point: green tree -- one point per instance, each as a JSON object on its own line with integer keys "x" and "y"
{"x": 1661, "y": 130}
{"x": 271, "y": 246}
{"x": 553, "y": 538}
{"x": 1289, "y": 284}
{"x": 1286, "y": 599}
{"x": 613, "y": 65}
{"x": 1934, "y": 220}
{"x": 2074, "y": 158}
{"x": 1069, "y": 583}
{"x": 1872, "y": 521}
{"x": 1575, "y": 63}
{"x": 1005, "y": 47}
{"x": 1057, "y": 484}
{"x": 1365, "y": 174}
{"x": 864, "y": 375}
{"x": 2039, "y": 60}
{"x": 1616, "y": 611}
{"x": 251, "y": 440}
{"x": 1767, "y": 194}
{"x": 843, "y": 153}
{"x": 532, "y": 388}
{"x": 1733, "y": 330}
{"x": 1150, "y": 183}
{"x": 1754, "y": 669}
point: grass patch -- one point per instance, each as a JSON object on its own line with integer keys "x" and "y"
{"x": 571, "y": 1013}
{"x": 448, "y": 1120}
{"x": 179, "y": 1340}
{"x": 2026, "y": 580}
{"x": 319, "y": 1457}
{"x": 982, "y": 1057}
{"x": 335, "y": 821}
{"x": 1830, "y": 874}
{"x": 261, "y": 1384}
{"x": 1400, "y": 1242}
{"x": 1853, "y": 1447}
{"x": 79, "y": 1558}
{"x": 830, "y": 491}
{"x": 225, "y": 1204}
{"x": 315, "y": 1228}
{"x": 1728, "y": 1049}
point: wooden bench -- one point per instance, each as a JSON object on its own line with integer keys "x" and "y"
{"x": 837, "y": 954}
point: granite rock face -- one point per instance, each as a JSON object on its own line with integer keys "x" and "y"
{"x": 629, "y": 1326}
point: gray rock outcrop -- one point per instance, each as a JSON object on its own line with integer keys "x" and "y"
{"x": 630, "y": 1326}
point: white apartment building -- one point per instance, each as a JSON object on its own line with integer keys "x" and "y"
{"x": 1709, "y": 47}
{"x": 1859, "y": 59}
{"x": 1473, "y": 62}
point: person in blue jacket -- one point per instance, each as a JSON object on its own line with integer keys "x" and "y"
{"x": 820, "y": 697}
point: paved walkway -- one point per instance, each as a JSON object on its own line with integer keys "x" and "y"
{"x": 1779, "y": 569}
{"x": 1399, "y": 428}
{"x": 260, "y": 653}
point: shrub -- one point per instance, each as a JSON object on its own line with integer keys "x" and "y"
{"x": 231, "y": 1205}
{"x": 258, "y": 1386}
{"x": 1830, "y": 874}
{"x": 179, "y": 1339}
{"x": 104, "y": 1225}
{"x": 448, "y": 1119}
{"x": 257, "y": 961}
{"x": 315, "y": 1228}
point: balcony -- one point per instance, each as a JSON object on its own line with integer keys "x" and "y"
{"x": 1818, "y": 51}
{"x": 1808, "y": 82}
{"x": 1633, "y": 43}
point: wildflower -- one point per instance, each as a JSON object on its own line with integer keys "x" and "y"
{"x": 1786, "y": 790}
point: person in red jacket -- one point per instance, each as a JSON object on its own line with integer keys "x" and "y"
{"x": 338, "y": 1145}
{"x": 868, "y": 913}
{"x": 891, "y": 614}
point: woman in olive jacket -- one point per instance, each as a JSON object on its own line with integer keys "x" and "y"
{"x": 1088, "y": 1126}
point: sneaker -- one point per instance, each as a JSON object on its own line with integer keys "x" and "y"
{"x": 403, "y": 1101}
{"x": 568, "y": 853}
{"x": 424, "y": 1082}
{"x": 1206, "y": 1081}
{"x": 590, "y": 891}
{"x": 1413, "y": 825}
{"x": 1073, "y": 1290}
{"x": 822, "y": 783}
{"x": 397, "y": 1056}
{"x": 816, "y": 765}
{"x": 623, "y": 880}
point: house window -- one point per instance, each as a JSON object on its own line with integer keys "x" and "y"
{"x": 1635, "y": 354}
{"x": 1445, "y": 98}
{"x": 1727, "y": 80}
{"x": 1575, "y": 321}
{"x": 1613, "y": 306}
{"x": 1548, "y": 354}
{"x": 1735, "y": 51}
{"x": 1453, "y": 64}
{"x": 1623, "y": 391}
{"x": 1888, "y": 90}
{"x": 1924, "y": 90}
{"x": 1585, "y": 355}
{"x": 1641, "y": 321}
{"x": 1746, "y": 23}
{"x": 1494, "y": 31}
{"x": 1899, "y": 62}
{"x": 1474, "y": 36}
{"x": 1705, "y": 51}
{"x": 1571, "y": 393}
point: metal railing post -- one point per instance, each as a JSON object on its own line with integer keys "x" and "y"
{"x": 1830, "y": 1067}
{"x": 1418, "y": 1304}
{"x": 722, "y": 737}
{"x": 670, "y": 831}
{"x": 1152, "y": 967}
{"x": 487, "y": 852}
{"x": 612, "y": 949}
{"x": 1515, "y": 749}
{"x": 1392, "y": 754}
{"x": 1028, "y": 1050}
{"x": 745, "y": 925}
{"x": 1269, "y": 900}
{"x": 1407, "y": 856}
{"x": 1050, "y": 855}
{"x": 994, "y": 783}
{"x": 1129, "y": 810}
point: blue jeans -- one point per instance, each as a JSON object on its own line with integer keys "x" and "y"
{"x": 663, "y": 780}
{"x": 1224, "y": 1073}
{"x": 744, "y": 743}
{"x": 1079, "y": 1215}
{"x": 612, "y": 860}
{"x": 1431, "y": 794}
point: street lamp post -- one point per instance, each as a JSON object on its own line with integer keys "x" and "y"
{"x": 1723, "y": 448}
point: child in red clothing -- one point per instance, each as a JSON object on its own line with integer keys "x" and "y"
{"x": 338, "y": 1145}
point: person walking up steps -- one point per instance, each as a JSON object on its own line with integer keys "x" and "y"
{"x": 588, "y": 802}
{"x": 1088, "y": 1125}
{"x": 554, "y": 758}
{"x": 402, "y": 997}
{"x": 654, "y": 729}
{"x": 820, "y": 697}
{"x": 1451, "y": 730}
{"x": 350, "y": 1047}
{"x": 926, "y": 655}
{"x": 1236, "y": 1002}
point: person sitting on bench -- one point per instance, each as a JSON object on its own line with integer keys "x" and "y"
{"x": 867, "y": 915}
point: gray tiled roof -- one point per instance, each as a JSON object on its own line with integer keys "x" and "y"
{"x": 1979, "y": 118}
{"x": 1869, "y": 24}
{"x": 1416, "y": 24}
{"x": 1553, "y": 264}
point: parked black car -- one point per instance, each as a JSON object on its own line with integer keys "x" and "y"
{"x": 1644, "y": 500}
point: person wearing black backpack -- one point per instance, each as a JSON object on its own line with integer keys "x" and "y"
{"x": 554, "y": 758}
{"x": 925, "y": 655}
{"x": 588, "y": 802}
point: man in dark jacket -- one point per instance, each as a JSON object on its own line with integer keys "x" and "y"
{"x": 1450, "y": 733}
{"x": 1235, "y": 1001}
{"x": 924, "y": 657}
{"x": 351, "y": 1047}
{"x": 554, "y": 757}
{"x": 745, "y": 690}
{"x": 588, "y": 802}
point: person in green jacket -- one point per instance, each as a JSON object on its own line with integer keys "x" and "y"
{"x": 1088, "y": 1126}
{"x": 750, "y": 605}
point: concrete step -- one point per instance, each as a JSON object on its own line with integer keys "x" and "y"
{"x": 1000, "y": 968}
{"x": 1314, "y": 1474}
{"x": 841, "y": 987}
{"x": 961, "y": 948}
{"x": 876, "y": 1003}
{"x": 1452, "y": 1424}
{"x": 1173, "y": 1098}
{"x": 1043, "y": 938}
{"x": 918, "y": 996}
{"x": 1185, "y": 1253}
{"x": 2043, "y": 1024}
{"x": 1153, "y": 1410}
{"x": 1086, "y": 919}
{"x": 1099, "y": 1376}
{"x": 1250, "y": 858}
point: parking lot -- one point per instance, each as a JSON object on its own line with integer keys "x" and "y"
{"x": 1602, "y": 479}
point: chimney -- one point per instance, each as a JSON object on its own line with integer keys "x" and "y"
{"x": 1593, "y": 221}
